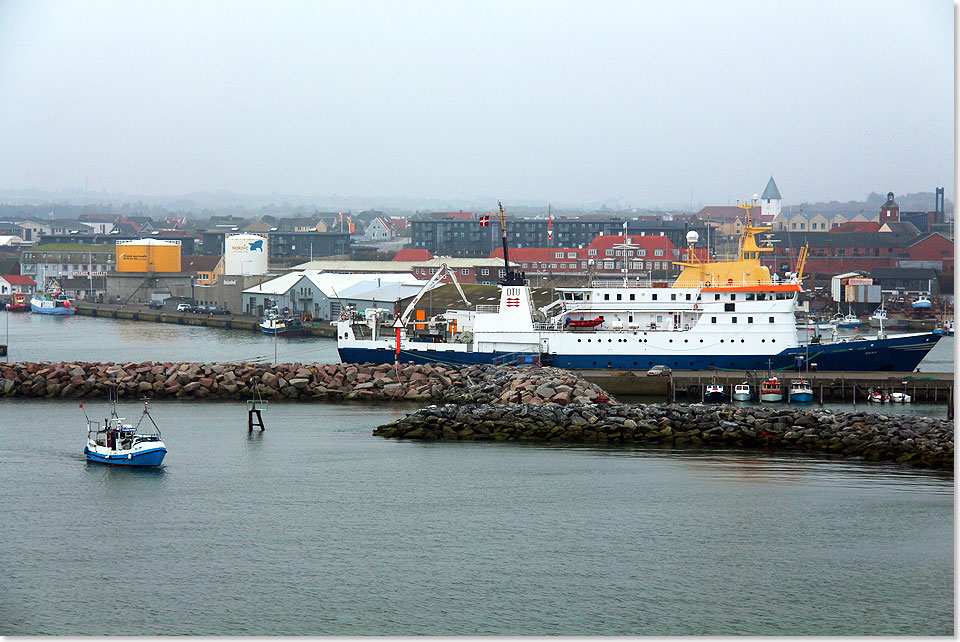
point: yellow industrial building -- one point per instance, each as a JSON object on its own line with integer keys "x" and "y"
{"x": 148, "y": 255}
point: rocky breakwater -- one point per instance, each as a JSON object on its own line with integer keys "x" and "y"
{"x": 920, "y": 441}
{"x": 448, "y": 384}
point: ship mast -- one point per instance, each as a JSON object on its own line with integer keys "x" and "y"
{"x": 513, "y": 278}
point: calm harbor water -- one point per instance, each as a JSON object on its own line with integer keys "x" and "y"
{"x": 317, "y": 527}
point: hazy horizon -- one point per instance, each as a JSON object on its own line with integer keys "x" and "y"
{"x": 634, "y": 104}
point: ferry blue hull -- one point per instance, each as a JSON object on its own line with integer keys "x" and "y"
{"x": 895, "y": 354}
{"x": 146, "y": 458}
{"x": 801, "y": 397}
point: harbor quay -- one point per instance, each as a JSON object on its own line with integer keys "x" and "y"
{"x": 916, "y": 441}
{"x": 135, "y": 312}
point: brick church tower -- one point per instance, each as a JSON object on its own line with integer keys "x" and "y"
{"x": 889, "y": 211}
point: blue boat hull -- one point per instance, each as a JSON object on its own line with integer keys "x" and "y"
{"x": 801, "y": 397}
{"x": 53, "y": 311}
{"x": 280, "y": 333}
{"x": 152, "y": 457}
{"x": 894, "y": 354}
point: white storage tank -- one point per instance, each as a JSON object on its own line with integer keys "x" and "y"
{"x": 245, "y": 254}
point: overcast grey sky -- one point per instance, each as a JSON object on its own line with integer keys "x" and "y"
{"x": 570, "y": 102}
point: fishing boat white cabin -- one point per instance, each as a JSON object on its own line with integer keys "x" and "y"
{"x": 714, "y": 393}
{"x": 742, "y": 392}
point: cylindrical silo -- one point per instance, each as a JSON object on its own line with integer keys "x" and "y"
{"x": 245, "y": 254}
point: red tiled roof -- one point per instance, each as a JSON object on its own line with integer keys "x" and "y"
{"x": 857, "y": 226}
{"x": 411, "y": 254}
{"x": 607, "y": 241}
{"x": 17, "y": 279}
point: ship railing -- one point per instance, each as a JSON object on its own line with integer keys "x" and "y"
{"x": 631, "y": 283}
{"x": 487, "y": 308}
{"x": 540, "y": 326}
{"x": 514, "y": 358}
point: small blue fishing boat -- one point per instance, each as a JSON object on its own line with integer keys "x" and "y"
{"x": 800, "y": 391}
{"x": 120, "y": 444}
{"x": 275, "y": 322}
{"x": 52, "y": 301}
{"x": 922, "y": 302}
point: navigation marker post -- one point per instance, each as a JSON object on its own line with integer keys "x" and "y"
{"x": 397, "y": 325}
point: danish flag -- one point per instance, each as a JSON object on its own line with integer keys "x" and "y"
{"x": 485, "y": 221}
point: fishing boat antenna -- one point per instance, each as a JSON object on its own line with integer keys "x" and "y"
{"x": 146, "y": 413}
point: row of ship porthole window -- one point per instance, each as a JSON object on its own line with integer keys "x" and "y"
{"x": 676, "y": 364}
{"x": 671, "y": 340}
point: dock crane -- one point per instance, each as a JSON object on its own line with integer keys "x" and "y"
{"x": 441, "y": 272}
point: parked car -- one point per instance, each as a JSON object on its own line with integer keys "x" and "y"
{"x": 155, "y": 305}
{"x": 184, "y": 307}
{"x": 659, "y": 371}
{"x": 216, "y": 309}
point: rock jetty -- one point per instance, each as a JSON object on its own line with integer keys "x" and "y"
{"x": 447, "y": 384}
{"x": 920, "y": 441}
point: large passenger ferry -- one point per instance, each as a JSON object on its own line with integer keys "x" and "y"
{"x": 717, "y": 315}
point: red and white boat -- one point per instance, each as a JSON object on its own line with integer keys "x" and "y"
{"x": 771, "y": 390}
{"x": 18, "y": 303}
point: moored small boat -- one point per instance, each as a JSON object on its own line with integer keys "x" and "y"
{"x": 900, "y": 397}
{"x": 18, "y": 303}
{"x": 922, "y": 302}
{"x": 52, "y": 301}
{"x": 741, "y": 392}
{"x": 280, "y": 324}
{"x": 848, "y": 321}
{"x": 800, "y": 391}
{"x": 120, "y": 444}
{"x": 714, "y": 393}
{"x": 946, "y": 328}
{"x": 771, "y": 390}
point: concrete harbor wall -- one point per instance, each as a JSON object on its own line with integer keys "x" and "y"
{"x": 919, "y": 441}
{"x": 131, "y": 312}
{"x": 447, "y": 384}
